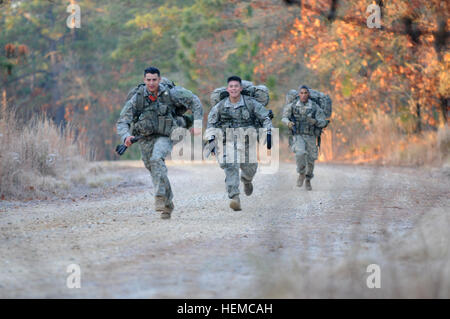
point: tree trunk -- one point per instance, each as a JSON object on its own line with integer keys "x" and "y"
{"x": 59, "y": 108}
{"x": 444, "y": 108}
{"x": 419, "y": 119}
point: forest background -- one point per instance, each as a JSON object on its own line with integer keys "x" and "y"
{"x": 390, "y": 86}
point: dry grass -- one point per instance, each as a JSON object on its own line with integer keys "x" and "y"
{"x": 431, "y": 148}
{"x": 413, "y": 266}
{"x": 384, "y": 143}
{"x": 37, "y": 159}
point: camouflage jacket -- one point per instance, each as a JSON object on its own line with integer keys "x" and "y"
{"x": 298, "y": 113}
{"x": 169, "y": 103}
{"x": 242, "y": 114}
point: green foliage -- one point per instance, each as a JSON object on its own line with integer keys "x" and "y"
{"x": 242, "y": 62}
{"x": 271, "y": 84}
{"x": 249, "y": 11}
{"x": 347, "y": 86}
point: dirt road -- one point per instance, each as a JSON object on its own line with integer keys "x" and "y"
{"x": 206, "y": 250}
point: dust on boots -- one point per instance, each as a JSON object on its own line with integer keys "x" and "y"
{"x": 235, "y": 203}
{"x": 162, "y": 206}
{"x": 301, "y": 179}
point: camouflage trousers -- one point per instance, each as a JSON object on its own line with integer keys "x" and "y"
{"x": 154, "y": 150}
{"x": 247, "y": 172}
{"x": 306, "y": 152}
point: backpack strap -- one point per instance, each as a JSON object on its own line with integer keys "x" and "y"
{"x": 139, "y": 102}
{"x": 246, "y": 104}
{"x": 293, "y": 104}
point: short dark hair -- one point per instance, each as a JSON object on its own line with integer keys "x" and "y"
{"x": 303, "y": 87}
{"x": 152, "y": 70}
{"x": 234, "y": 78}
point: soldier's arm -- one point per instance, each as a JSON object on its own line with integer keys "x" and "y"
{"x": 126, "y": 118}
{"x": 320, "y": 117}
{"x": 212, "y": 124}
{"x": 287, "y": 112}
{"x": 262, "y": 114}
{"x": 184, "y": 97}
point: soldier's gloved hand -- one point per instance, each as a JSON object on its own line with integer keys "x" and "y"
{"x": 311, "y": 121}
{"x": 269, "y": 139}
{"x": 290, "y": 125}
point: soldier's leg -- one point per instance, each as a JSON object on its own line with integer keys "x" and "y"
{"x": 299, "y": 148}
{"x": 162, "y": 148}
{"x": 248, "y": 168}
{"x": 232, "y": 184}
{"x": 248, "y": 171}
{"x": 312, "y": 155}
{"x": 309, "y": 169}
{"x": 146, "y": 147}
{"x": 231, "y": 178}
{"x": 154, "y": 152}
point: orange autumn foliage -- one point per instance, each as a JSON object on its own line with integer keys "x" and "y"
{"x": 368, "y": 69}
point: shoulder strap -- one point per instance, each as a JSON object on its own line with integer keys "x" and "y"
{"x": 252, "y": 108}
{"x": 139, "y": 102}
{"x": 140, "y": 97}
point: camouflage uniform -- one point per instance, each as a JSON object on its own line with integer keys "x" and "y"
{"x": 156, "y": 120}
{"x": 243, "y": 114}
{"x": 303, "y": 144}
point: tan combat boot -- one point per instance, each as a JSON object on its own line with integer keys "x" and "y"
{"x": 308, "y": 185}
{"x": 301, "y": 178}
{"x": 168, "y": 209}
{"x": 235, "y": 203}
{"x": 248, "y": 188}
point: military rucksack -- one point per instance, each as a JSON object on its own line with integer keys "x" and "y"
{"x": 258, "y": 92}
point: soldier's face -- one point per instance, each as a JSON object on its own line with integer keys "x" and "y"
{"x": 304, "y": 95}
{"x": 152, "y": 82}
{"x": 234, "y": 88}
